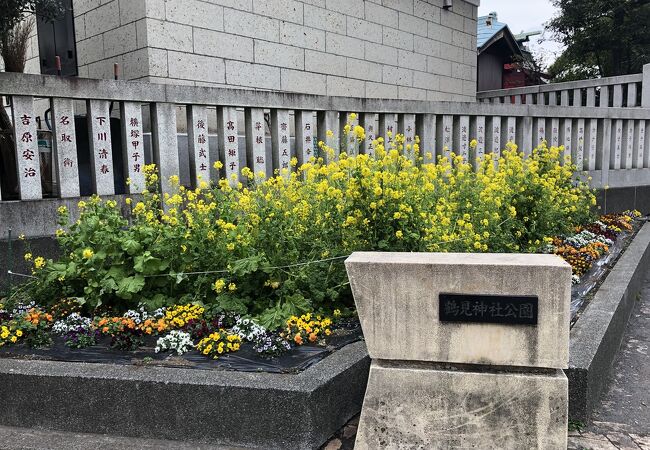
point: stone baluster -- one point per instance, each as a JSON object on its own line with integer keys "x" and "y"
{"x": 509, "y": 133}
{"x": 644, "y": 142}
{"x": 639, "y": 143}
{"x": 578, "y": 138}
{"x": 554, "y": 132}
{"x": 564, "y": 98}
{"x": 627, "y": 151}
{"x": 198, "y": 144}
{"x": 164, "y": 137}
{"x": 461, "y": 137}
{"x": 477, "y": 131}
{"x": 368, "y": 122}
{"x": 493, "y": 137}
{"x": 133, "y": 146}
{"x": 328, "y": 132}
{"x": 387, "y": 128}
{"x": 304, "y": 136}
{"x": 227, "y": 129}
{"x": 426, "y": 129}
{"x": 604, "y": 97}
{"x": 27, "y": 154}
{"x": 525, "y": 134}
{"x": 64, "y": 145}
{"x": 604, "y": 149}
{"x": 577, "y": 97}
{"x": 349, "y": 143}
{"x": 281, "y": 141}
{"x": 591, "y": 143}
{"x": 101, "y": 150}
{"x": 256, "y": 141}
{"x": 617, "y": 144}
{"x": 406, "y": 126}
{"x": 591, "y": 97}
{"x": 618, "y": 96}
{"x": 539, "y": 133}
{"x": 446, "y": 132}
{"x": 631, "y": 95}
{"x": 566, "y": 137}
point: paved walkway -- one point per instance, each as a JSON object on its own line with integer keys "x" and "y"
{"x": 622, "y": 421}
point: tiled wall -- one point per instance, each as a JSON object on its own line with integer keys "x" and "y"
{"x": 406, "y": 49}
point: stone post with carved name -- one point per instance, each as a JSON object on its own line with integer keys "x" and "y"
{"x": 467, "y": 349}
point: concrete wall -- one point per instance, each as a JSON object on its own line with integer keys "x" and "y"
{"x": 406, "y": 49}
{"x": 108, "y": 32}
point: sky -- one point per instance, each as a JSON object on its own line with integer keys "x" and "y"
{"x": 526, "y": 15}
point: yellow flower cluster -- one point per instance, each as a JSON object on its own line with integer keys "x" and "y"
{"x": 398, "y": 199}
{"x": 307, "y": 328}
{"x": 178, "y": 315}
{"x": 218, "y": 343}
{"x": 9, "y": 334}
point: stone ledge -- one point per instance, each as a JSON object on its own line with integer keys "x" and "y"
{"x": 254, "y": 410}
{"x": 596, "y": 337}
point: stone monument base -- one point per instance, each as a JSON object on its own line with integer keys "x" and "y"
{"x": 428, "y": 406}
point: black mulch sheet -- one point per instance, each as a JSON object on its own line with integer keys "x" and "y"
{"x": 245, "y": 360}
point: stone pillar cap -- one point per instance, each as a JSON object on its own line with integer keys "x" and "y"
{"x": 397, "y": 299}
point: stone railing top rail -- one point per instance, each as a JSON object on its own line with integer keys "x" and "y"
{"x": 569, "y": 85}
{"x": 137, "y": 91}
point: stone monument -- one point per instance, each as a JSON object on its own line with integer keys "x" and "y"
{"x": 467, "y": 349}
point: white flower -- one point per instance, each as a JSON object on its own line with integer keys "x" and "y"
{"x": 175, "y": 340}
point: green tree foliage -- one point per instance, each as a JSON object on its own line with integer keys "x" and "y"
{"x": 602, "y": 38}
{"x": 12, "y": 12}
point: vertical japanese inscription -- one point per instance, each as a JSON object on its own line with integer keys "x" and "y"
{"x": 101, "y": 151}
{"x": 367, "y": 121}
{"x": 304, "y": 136}
{"x": 27, "y": 156}
{"x": 281, "y": 141}
{"x": 229, "y": 147}
{"x": 617, "y": 138}
{"x": 64, "y": 143}
{"x": 199, "y": 145}
{"x": 579, "y": 144}
{"x": 132, "y": 146}
{"x": 463, "y": 137}
{"x": 479, "y": 150}
{"x": 407, "y": 128}
{"x": 255, "y": 140}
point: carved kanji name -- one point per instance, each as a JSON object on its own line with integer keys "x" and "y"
{"x": 501, "y": 309}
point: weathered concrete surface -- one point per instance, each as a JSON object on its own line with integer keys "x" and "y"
{"x": 417, "y": 407}
{"x": 596, "y": 337}
{"x": 397, "y": 300}
{"x": 256, "y": 410}
{"x": 29, "y": 438}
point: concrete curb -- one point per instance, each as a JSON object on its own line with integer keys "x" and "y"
{"x": 596, "y": 337}
{"x": 253, "y": 410}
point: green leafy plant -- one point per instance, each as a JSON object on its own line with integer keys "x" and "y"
{"x": 273, "y": 248}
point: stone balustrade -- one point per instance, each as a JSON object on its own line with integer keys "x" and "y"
{"x": 131, "y": 123}
{"x": 627, "y": 91}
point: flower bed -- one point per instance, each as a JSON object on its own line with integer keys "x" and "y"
{"x": 257, "y": 266}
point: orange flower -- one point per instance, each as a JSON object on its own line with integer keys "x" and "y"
{"x": 105, "y": 330}
{"x": 312, "y": 337}
{"x": 298, "y": 339}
